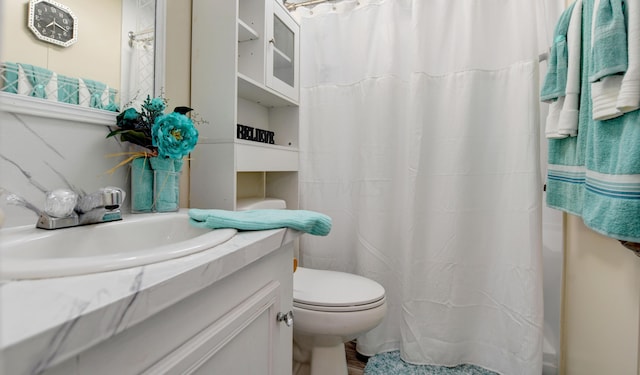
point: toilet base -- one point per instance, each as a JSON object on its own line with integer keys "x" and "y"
{"x": 320, "y": 360}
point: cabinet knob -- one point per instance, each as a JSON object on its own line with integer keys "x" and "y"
{"x": 287, "y": 318}
{"x": 272, "y": 41}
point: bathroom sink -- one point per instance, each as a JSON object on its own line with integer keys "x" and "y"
{"x": 30, "y": 253}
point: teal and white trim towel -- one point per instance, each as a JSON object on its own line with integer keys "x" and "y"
{"x": 561, "y": 87}
{"x": 596, "y": 175}
{"x": 555, "y": 81}
{"x": 306, "y": 221}
{"x": 609, "y": 55}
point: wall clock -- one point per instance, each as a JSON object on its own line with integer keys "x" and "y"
{"x": 53, "y": 22}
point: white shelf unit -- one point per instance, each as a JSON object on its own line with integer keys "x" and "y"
{"x": 232, "y": 56}
{"x": 246, "y": 32}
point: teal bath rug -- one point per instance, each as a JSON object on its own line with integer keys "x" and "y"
{"x": 390, "y": 364}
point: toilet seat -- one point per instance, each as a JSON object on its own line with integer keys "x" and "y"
{"x": 332, "y": 291}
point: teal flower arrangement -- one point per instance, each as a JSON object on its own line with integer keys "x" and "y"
{"x": 164, "y": 139}
{"x": 171, "y": 135}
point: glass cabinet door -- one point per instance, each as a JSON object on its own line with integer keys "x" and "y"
{"x": 282, "y": 53}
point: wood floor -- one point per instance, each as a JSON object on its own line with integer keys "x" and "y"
{"x": 355, "y": 362}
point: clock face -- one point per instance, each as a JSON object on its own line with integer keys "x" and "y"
{"x": 53, "y": 22}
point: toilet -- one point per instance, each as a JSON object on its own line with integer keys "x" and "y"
{"x": 330, "y": 308}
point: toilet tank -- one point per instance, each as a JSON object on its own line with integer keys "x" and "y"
{"x": 260, "y": 204}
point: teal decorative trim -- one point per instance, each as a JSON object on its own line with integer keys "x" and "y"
{"x": 10, "y": 77}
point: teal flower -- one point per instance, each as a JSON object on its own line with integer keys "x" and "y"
{"x": 155, "y": 106}
{"x": 128, "y": 119}
{"x": 174, "y": 135}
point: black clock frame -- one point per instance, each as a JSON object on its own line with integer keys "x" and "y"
{"x": 45, "y": 23}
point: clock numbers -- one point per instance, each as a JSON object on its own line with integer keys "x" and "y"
{"x": 52, "y": 22}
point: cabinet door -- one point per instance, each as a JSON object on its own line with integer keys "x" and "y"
{"x": 248, "y": 340}
{"x": 282, "y": 52}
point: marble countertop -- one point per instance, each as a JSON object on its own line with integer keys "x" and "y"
{"x": 44, "y": 322}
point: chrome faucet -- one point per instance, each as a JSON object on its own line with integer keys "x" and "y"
{"x": 71, "y": 206}
{"x": 99, "y": 207}
{"x": 66, "y": 208}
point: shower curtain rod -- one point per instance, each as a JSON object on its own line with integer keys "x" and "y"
{"x": 293, "y": 6}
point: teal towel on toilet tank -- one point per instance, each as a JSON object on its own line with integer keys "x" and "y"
{"x": 306, "y": 221}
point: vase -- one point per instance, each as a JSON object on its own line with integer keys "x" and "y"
{"x": 155, "y": 185}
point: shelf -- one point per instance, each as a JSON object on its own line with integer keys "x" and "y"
{"x": 254, "y": 156}
{"x": 280, "y": 60}
{"x": 246, "y": 32}
{"x": 254, "y": 91}
{"x": 254, "y": 84}
{"x": 265, "y": 145}
{"x": 27, "y": 105}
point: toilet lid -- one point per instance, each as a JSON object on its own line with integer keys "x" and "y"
{"x": 334, "y": 291}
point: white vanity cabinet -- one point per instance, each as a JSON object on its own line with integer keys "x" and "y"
{"x": 245, "y": 70}
{"x": 229, "y": 327}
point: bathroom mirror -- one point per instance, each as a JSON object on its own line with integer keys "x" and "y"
{"x": 143, "y": 42}
{"x": 120, "y": 43}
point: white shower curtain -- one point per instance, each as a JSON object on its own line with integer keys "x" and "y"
{"x": 419, "y": 137}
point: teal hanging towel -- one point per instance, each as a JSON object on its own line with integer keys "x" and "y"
{"x": 68, "y": 89}
{"x": 96, "y": 91}
{"x": 609, "y": 58}
{"x": 39, "y": 79}
{"x": 596, "y": 175}
{"x": 555, "y": 82}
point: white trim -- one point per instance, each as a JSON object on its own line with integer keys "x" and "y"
{"x": 615, "y": 178}
{"x": 567, "y": 168}
{"x": 27, "y": 105}
{"x": 160, "y": 46}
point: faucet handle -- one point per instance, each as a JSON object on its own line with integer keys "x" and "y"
{"x": 112, "y": 197}
{"x": 60, "y": 202}
{"x": 109, "y": 198}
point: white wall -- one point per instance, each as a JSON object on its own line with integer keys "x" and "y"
{"x": 601, "y": 309}
{"x": 77, "y": 150}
